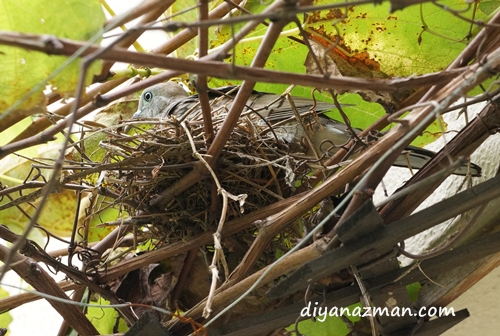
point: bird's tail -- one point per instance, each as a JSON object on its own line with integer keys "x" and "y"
{"x": 418, "y": 157}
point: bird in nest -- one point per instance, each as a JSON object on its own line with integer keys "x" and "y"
{"x": 170, "y": 99}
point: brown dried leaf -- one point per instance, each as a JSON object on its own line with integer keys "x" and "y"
{"x": 335, "y": 63}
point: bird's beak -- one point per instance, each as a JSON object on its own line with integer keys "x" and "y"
{"x": 134, "y": 116}
{"x": 137, "y": 114}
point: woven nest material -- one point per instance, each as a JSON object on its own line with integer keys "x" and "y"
{"x": 254, "y": 166}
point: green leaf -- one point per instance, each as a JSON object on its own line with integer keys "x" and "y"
{"x": 326, "y": 323}
{"x": 416, "y": 40}
{"x": 60, "y": 208}
{"x": 109, "y": 214}
{"x": 413, "y": 290}
{"x": 104, "y": 319}
{"x": 419, "y": 39}
{"x": 22, "y": 69}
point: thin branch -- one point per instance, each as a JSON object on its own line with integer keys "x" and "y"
{"x": 201, "y": 81}
{"x": 232, "y": 227}
{"x": 18, "y": 300}
{"x": 207, "y": 66}
{"x": 43, "y": 282}
{"x": 35, "y": 252}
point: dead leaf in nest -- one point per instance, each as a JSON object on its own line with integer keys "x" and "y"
{"x": 106, "y": 119}
{"x": 335, "y": 62}
{"x": 337, "y": 280}
{"x": 149, "y": 285}
{"x": 114, "y": 113}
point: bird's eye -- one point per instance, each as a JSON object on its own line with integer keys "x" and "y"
{"x": 148, "y": 96}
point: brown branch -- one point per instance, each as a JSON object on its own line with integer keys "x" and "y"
{"x": 100, "y": 101}
{"x": 276, "y": 223}
{"x": 77, "y": 297}
{"x": 38, "y": 193}
{"x": 34, "y": 252}
{"x": 344, "y": 297}
{"x": 303, "y": 7}
{"x": 240, "y": 101}
{"x": 231, "y": 290}
{"x": 43, "y": 282}
{"x": 483, "y": 39}
{"x": 45, "y": 136}
{"x": 44, "y": 122}
{"x": 208, "y": 67}
{"x": 463, "y": 144}
{"x": 183, "y": 276}
{"x": 201, "y": 81}
{"x": 14, "y": 116}
{"x": 143, "y": 8}
{"x": 15, "y": 301}
{"x": 402, "y": 4}
{"x": 384, "y": 238}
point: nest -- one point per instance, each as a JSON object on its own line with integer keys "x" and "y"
{"x": 254, "y": 167}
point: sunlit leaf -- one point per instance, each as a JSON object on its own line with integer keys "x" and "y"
{"x": 413, "y": 290}
{"x": 22, "y": 69}
{"x": 97, "y": 230}
{"x": 326, "y": 321}
{"x": 60, "y": 208}
{"x": 416, "y": 40}
{"x": 104, "y": 319}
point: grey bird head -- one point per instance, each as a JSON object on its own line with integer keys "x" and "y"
{"x": 156, "y": 99}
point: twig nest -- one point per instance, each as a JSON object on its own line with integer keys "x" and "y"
{"x": 157, "y": 154}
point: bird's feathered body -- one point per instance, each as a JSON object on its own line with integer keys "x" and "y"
{"x": 272, "y": 111}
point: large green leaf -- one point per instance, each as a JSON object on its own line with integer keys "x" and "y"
{"x": 60, "y": 209}
{"x": 417, "y": 40}
{"x": 59, "y": 212}
{"x": 22, "y": 69}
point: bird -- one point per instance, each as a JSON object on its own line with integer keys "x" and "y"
{"x": 326, "y": 135}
